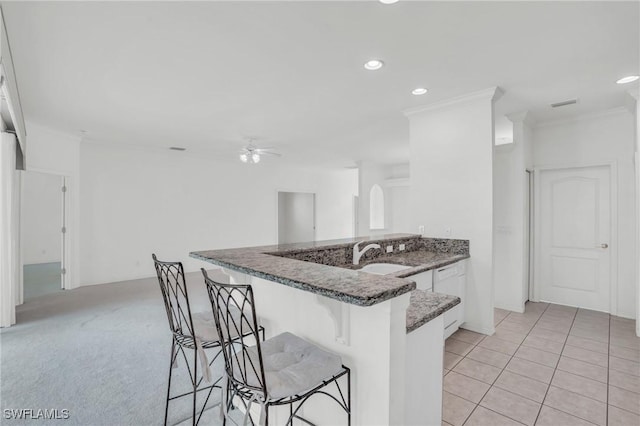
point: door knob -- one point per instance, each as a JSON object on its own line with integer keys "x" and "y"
{"x": 604, "y": 245}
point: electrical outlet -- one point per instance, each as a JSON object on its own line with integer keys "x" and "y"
{"x": 389, "y": 249}
{"x": 421, "y": 229}
{"x": 401, "y": 247}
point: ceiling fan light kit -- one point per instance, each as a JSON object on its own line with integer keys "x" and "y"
{"x": 252, "y": 155}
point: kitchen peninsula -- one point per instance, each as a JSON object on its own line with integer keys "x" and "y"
{"x": 388, "y": 332}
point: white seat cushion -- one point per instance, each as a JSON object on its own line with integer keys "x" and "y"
{"x": 205, "y": 326}
{"x": 291, "y": 365}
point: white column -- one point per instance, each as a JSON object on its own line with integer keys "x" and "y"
{"x": 511, "y": 186}
{"x": 636, "y": 109}
{"x": 451, "y": 191}
{"x": 9, "y": 234}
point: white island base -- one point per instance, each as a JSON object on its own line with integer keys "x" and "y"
{"x": 396, "y": 378}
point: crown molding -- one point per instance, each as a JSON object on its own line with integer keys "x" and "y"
{"x": 522, "y": 117}
{"x": 584, "y": 117}
{"x": 492, "y": 94}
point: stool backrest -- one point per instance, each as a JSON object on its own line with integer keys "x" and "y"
{"x": 240, "y": 339}
{"x": 175, "y": 295}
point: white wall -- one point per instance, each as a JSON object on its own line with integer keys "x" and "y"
{"x": 399, "y": 214}
{"x": 41, "y": 218}
{"x": 511, "y": 244}
{"x": 636, "y": 97}
{"x": 135, "y": 202}
{"x": 599, "y": 139}
{"x": 451, "y": 146}
{"x": 508, "y": 264}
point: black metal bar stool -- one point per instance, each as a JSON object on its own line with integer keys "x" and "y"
{"x": 196, "y": 332}
{"x": 282, "y": 370}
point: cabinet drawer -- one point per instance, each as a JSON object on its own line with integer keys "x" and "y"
{"x": 452, "y": 320}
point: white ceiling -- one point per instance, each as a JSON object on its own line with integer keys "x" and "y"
{"x": 205, "y": 75}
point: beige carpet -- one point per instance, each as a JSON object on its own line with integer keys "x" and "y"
{"x": 101, "y": 352}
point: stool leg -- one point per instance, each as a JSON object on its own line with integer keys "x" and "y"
{"x": 166, "y": 407}
{"x": 195, "y": 384}
{"x": 349, "y": 397}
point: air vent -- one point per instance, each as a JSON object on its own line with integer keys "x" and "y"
{"x": 564, "y": 103}
{"x": 177, "y": 148}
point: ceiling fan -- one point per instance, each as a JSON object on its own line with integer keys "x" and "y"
{"x": 251, "y": 154}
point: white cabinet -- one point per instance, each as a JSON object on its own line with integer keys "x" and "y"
{"x": 424, "y": 280}
{"x": 451, "y": 280}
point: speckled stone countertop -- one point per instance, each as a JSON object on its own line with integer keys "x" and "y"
{"x": 341, "y": 283}
{"x": 425, "y": 306}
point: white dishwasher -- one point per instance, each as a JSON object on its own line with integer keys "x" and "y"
{"x": 451, "y": 280}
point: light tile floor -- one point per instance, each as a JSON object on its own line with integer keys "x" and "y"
{"x": 550, "y": 366}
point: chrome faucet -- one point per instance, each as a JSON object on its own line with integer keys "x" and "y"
{"x": 357, "y": 253}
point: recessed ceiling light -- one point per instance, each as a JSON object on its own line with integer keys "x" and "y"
{"x": 419, "y": 91}
{"x": 373, "y": 64}
{"x": 628, "y": 79}
{"x": 388, "y": 1}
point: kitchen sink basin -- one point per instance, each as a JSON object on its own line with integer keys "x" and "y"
{"x": 384, "y": 268}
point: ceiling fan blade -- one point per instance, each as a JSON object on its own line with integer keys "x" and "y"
{"x": 276, "y": 154}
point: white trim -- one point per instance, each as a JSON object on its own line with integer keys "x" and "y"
{"x": 71, "y": 252}
{"x": 522, "y": 117}
{"x": 492, "y": 94}
{"x": 613, "y": 243}
{"x": 12, "y": 91}
{"x": 395, "y": 182}
{"x": 478, "y": 328}
{"x": 583, "y": 117}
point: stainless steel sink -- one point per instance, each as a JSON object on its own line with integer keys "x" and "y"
{"x": 384, "y": 268}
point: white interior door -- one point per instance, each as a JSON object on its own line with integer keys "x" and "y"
{"x": 296, "y": 217}
{"x": 574, "y": 225}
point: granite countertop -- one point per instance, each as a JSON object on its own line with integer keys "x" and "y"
{"x": 340, "y": 282}
{"x": 425, "y": 306}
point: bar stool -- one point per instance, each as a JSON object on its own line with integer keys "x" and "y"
{"x": 196, "y": 332}
{"x": 282, "y": 370}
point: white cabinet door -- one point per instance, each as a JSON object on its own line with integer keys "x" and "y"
{"x": 424, "y": 280}
{"x": 451, "y": 280}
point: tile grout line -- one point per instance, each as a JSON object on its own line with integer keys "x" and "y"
{"x": 478, "y": 403}
{"x": 502, "y": 370}
{"x": 514, "y": 354}
{"x": 463, "y": 357}
{"x": 584, "y": 396}
{"x": 556, "y": 368}
{"x": 576, "y": 318}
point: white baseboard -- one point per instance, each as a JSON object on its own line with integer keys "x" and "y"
{"x": 509, "y": 307}
{"x": 478, "y": 328}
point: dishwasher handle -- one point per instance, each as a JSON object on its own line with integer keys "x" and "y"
{"x": 445, "y": 272}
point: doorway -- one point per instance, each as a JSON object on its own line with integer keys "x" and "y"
{"x": 575, "y": 212}
{"x": 43, "y": 233}
{"x": 296, "y": 217}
